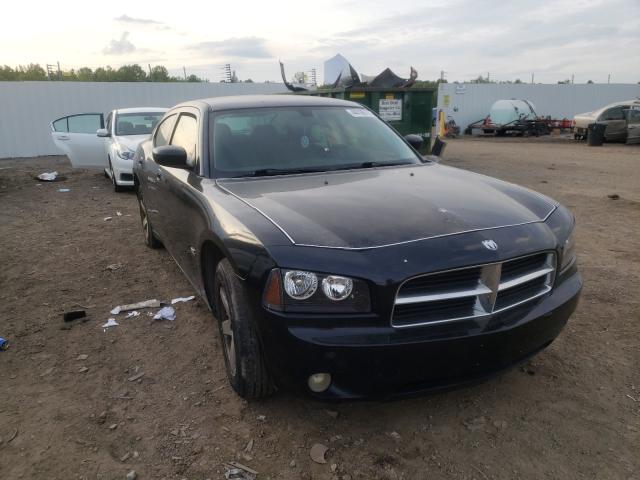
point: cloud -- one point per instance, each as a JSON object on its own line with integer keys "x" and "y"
{"x": 245, "y": 47}
{"x": 119, "y": 47}
{"x": 135, "y": 20}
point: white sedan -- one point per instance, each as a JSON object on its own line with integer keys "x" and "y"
{"x": 90, "y": 142}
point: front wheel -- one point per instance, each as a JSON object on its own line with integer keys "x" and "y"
{"x": 116, "y": 187}
{"x": 245, "y": 365}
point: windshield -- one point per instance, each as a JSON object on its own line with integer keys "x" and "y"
{"x": 137, "y": 123}
{"x": 276, "y": 141}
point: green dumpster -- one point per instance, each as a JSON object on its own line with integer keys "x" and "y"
{"x": 408, "y": 110}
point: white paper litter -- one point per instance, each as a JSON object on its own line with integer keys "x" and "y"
{"x": 48, "y": 176}
{"x": 106, "y": 219}
{"x": 110, "y": 323}
{"x": 119, "y": 214}
{"x": 182, "y": 299}
{"x": 165, "y": 313}
{"x": 64, "y": 189}
{"x": 134, "y": 313}
{"x": 136, "y": 306}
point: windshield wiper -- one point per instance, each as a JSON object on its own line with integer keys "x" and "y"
{"x": 265, "y": 172}
{"x": 382, "y": 164}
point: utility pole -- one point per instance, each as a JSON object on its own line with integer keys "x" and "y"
{"x": 443, "y": 74}
{"x": 226, "y": 72}
{"x": 150, "y": 79}
{"x": 488, "y": 77}
{"x": 532, "y": 76}
{"x": 572, "y": 78}
{"x": 609, "y": 79}
{"x": 60, "y": 72}
{"x": 184, "y": 70}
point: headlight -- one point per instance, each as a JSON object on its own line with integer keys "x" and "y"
{"x": 300, "y": 285}
{"x": 337, "y": 288}
{"x": 568, "y": 252}
{"x": 297, "y": 291}
{"x": 125, "y": 153}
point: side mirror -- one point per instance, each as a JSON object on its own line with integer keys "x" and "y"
{"x": 170, "y": 156}
{"x": 103, "y": 132}
{"x": 414, "y": 140}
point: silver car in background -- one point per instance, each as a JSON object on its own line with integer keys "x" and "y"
{"x": 614, "y": 116}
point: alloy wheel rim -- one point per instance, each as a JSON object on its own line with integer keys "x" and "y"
{"x": 145, "y": 222}
{"x": 227, "y": 332}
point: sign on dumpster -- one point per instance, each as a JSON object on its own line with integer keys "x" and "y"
{"x": 390, "y": 110}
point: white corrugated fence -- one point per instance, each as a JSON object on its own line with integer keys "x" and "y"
{"x": 26, "y": 108}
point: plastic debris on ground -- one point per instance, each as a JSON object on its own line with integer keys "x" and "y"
{"x": 4, "y": 344}
{"x": 237, "y": 471}
{"x": 110, "y": 323}
{"x": 182, "y": 299}
{"x": 132, "y": 314}
{"x": 64, "y": 190}
{"x": 73, "y": 315}
{"x": 48, "y": 176}
{"x": 165, "y": 313}
{"x": 106, "y": 219}
{"x": 119, "y": 214}
{"x": 136, "y": 306}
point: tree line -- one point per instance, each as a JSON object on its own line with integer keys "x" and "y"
{"x": 126, "y": 73}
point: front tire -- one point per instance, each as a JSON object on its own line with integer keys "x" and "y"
{"x": 116, "y": 187}
{"x": 246, "y": 369}
{"x": 150, "y": 239}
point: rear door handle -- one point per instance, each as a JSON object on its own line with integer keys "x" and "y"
{"x": 63, "y": 137}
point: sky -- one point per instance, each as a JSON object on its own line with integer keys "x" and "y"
{"x": 553, "y": 39}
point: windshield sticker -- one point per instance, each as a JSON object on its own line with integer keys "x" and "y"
{"x": 359, "y": 112}
{"x": 304, "y": 141}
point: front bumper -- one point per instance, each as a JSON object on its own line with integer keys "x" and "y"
{"x": 123, "y": 171}
{"x": 382, "y": 362}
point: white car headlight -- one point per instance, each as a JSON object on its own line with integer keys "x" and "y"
{"x": 337, "y": 288}
{"x": 125, "y": 152}
{"x": 299, "y": 284}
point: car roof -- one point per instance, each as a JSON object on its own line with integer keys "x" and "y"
{"x": 274, "y": 100}
{"x": 141, "y": 109}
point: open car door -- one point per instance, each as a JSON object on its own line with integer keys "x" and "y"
{"x": 76, "y": 136}
{"x": 633, "y": 125}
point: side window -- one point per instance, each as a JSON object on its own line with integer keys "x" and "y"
{"x": 163, "y": 132}
{"x": 186, "y": 136}
{"x": 86, "y": 123}
{"x": 61, "y": 125}
{"x": 614, "y": 113}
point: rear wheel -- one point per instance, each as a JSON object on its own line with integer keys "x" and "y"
{"x": 150, "y": 239}
{"x": 245, "y": 365}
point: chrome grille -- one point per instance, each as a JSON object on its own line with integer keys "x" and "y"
{"x": 471, "y": 292}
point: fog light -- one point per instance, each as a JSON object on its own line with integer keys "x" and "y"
{"x": 319, "y": 382}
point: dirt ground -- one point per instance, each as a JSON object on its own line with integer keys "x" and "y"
{"x": 572, "y": 412}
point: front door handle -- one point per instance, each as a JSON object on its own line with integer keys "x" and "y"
{"x": 63, "y": 137}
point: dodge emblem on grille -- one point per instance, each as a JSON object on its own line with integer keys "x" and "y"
{"x": 490, "y": 244}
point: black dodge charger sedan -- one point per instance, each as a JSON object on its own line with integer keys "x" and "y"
{"x": 339, "y": 260}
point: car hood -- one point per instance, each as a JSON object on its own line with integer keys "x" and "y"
{"x": 131, "y": 141}
{"x": 361, "y": 209}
